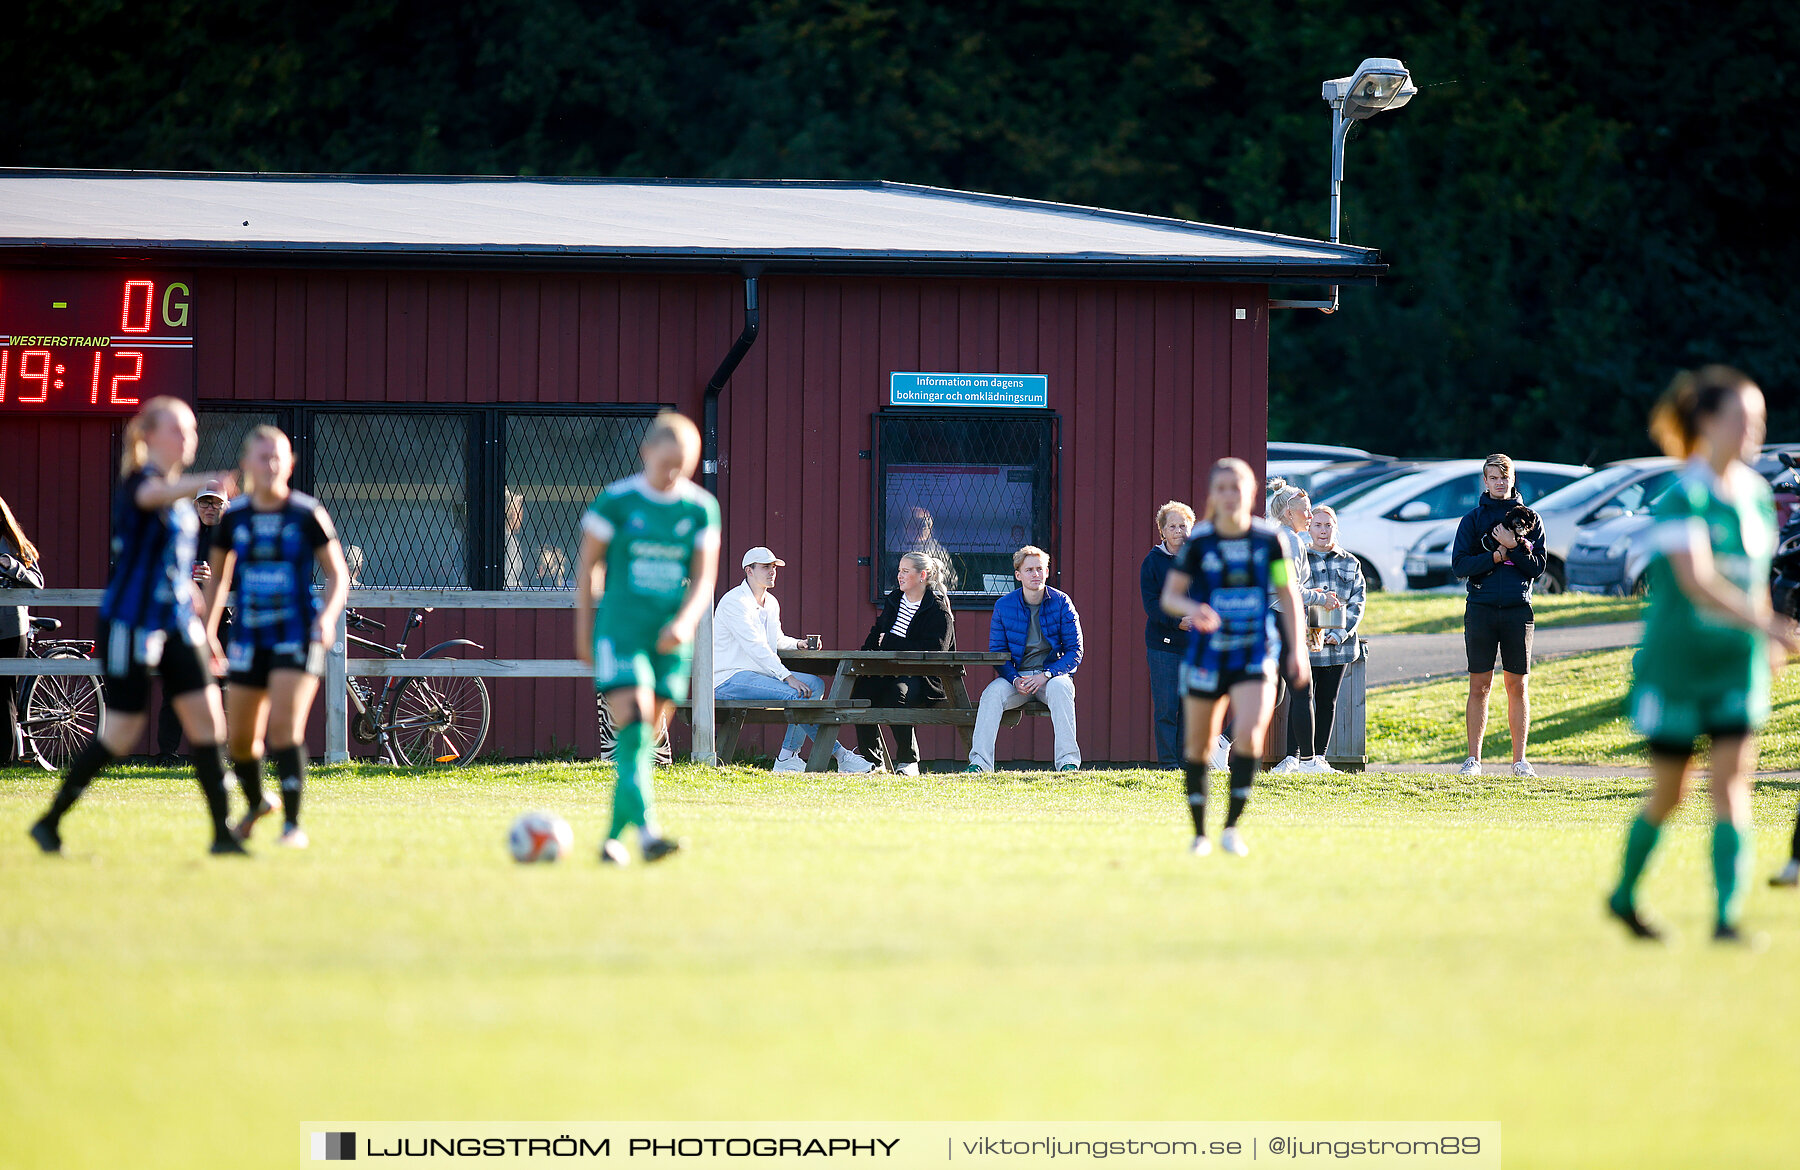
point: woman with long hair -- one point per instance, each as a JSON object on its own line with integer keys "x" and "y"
{"x": 19, "y": 569}
{"x": 1711, "y": 640}
{"x": 1231, "y": 570}
{"x": 149, "y": 621}
{"x": 268, "y": 541}
{"x": 915, "y": 616}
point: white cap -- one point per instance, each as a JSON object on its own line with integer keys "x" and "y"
{"x": 761, "y": 555}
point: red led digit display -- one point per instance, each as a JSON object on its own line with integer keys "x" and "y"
{"x": 93, "y": 342}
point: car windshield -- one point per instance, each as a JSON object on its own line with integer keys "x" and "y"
{"x": 1346, "y": 492}
{"x": 1586, "y": 490}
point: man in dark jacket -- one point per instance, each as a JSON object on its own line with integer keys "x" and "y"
{"x": 1040, "y": 632}
{"x": 1499, "y": 566}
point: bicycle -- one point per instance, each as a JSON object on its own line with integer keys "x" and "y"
{"x": 59, "y": 714}
{"x": 421, "y": 720}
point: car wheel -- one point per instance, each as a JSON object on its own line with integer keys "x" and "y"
{"x": 1639, "y": 587}
{"x": 1371, "y": 578}
{"x": 1556, "y": 577}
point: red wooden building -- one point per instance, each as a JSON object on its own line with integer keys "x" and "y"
{"x": 462, "y": 362}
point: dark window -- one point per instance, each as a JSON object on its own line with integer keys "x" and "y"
{"x": 1534, "y": 485}
{"x": 397, "y": 485}
{"x": 555, "y": 465}
{"x": 483, "y": 497}
{"x": 968, "y": 487}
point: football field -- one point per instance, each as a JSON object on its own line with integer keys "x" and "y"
{"x": 1019, "y": 946}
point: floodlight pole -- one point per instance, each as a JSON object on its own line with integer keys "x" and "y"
{"x": 1340, "y": 132}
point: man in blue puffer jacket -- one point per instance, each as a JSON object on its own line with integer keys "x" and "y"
{"x": 1038, "y": 628}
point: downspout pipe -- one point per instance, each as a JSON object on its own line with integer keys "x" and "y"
{"x": 709, "y": 425}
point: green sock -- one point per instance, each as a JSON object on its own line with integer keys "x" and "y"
{"x": 631, "y": 790}
{"x": 1638, "y": 844}
{"x": 1731, "y": 860}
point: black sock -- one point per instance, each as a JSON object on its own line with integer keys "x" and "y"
{"x": 82, "y": 770}
{"x": 1243, "y": 774}
{"x": 209, "y": 766}
{"x": 1794, "y": 850}
{"x": 290, "y": 768}
{"x": 1196, "y": 795}
{"x": 249, "y": 774}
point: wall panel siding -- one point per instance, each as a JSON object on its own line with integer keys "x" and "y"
{"x": 1153, "y": 381}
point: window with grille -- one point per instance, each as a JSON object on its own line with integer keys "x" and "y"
{"x": 967, "y": 487}
{"x": 479, "y": 497}
{"x": 397, "y": 487}
{"x": 554, "y": 466}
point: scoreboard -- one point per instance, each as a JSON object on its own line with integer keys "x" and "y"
{"x": 93, "y": 342}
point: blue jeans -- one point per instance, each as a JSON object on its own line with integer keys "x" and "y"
{"x": 1165, "y": 699}
{"x": 748, "y": 684}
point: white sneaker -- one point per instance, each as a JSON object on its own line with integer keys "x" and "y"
{"x": 906, "y": 769}
{"x": 1523, "y": 768}
{"x": 1201, "y": 846}
{"x": 1470, "y": 767}
{"x": 794, "y": 763}
{"x": 1232, "y": 842}
{"x": 849, "y": 761}
{"x": 1288, "y": 766}
{"x": 1789, "y": 875}
{"x": 1221, "y": 755}
{"x": 1316, "y": 765}
{"x": 294, "y": 838}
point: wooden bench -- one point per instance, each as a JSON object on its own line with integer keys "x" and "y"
{"x": 732, "y": 714}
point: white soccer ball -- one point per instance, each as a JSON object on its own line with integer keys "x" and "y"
{"x": 540, "y": 836}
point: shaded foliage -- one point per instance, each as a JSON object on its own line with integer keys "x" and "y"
{"x": 1582, "y": 198}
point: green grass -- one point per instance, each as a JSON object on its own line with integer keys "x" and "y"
{"x": 1577, "y": 716}
{"x": 1442, "y": 613}
{"x": 1019, "y": 946}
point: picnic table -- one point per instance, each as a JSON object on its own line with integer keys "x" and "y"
{"x": 846, "y": 666}
{"x": 836, "y": 707}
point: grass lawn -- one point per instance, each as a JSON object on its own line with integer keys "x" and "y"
{"x": 1577, "y": 716}
{"x": 1442, "y": 613}
{"x": 1018, "y": 946}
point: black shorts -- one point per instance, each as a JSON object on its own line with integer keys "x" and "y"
{"x": 182, "y": 667}
{"x": 249, "y": 666}
{"x": 1195, "y": 685}
{"x": 1504, "y": 630}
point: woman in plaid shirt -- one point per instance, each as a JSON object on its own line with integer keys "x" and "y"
{"x": 1341, "y": 573}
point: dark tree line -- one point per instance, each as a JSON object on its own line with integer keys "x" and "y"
{"x": 1583, "y": 196}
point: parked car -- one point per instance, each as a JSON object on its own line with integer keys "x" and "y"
{"x": 1611, "y": 557}
{"x": 1336, "y": 480}
{"x": 1618, "y": 489}
{"x": 1381, "y": 526}
{"x": 1294, "y": 462}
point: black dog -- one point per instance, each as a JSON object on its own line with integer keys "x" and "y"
{"x": 1524, "y": 523}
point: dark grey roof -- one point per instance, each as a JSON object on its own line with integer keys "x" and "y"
{"x": 655, "y": 224}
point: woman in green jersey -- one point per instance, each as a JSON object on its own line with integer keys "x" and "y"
{"x": 1710, "y": 638}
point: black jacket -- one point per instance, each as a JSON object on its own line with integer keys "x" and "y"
{"x": 930, "y": 629}
{"x": 1509, "y": 581}
{"x": 1162, "y": 633}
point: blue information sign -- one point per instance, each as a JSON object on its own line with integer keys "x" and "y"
{"x": 1028, "y": 390}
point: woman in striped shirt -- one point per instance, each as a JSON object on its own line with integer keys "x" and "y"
{"x": 915, "y": 616}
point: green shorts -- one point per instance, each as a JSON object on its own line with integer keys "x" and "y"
{"x": 1683, "y": 718}
{"x": 620, "y": 664}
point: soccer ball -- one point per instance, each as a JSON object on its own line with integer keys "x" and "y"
{"x": 539, "y": 836}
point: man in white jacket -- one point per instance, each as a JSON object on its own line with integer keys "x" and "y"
{"x": 747, "y": 641}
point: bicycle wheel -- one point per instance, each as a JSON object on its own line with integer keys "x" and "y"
{"x": 437, "y": 721}
{"x": 60, "y": 713}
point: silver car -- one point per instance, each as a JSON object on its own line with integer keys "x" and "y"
{"x": 1625, "y": 488}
